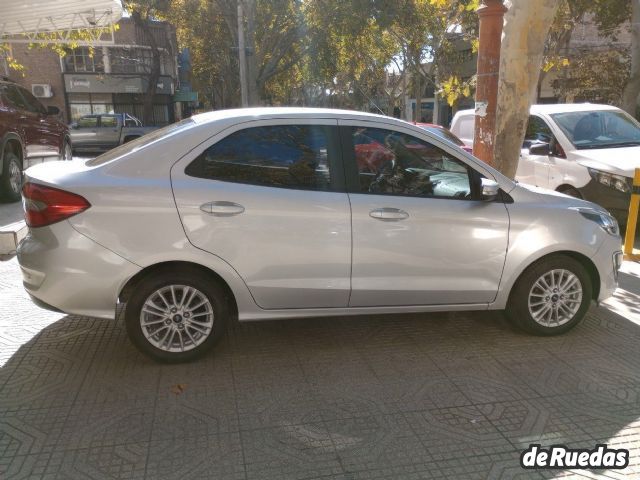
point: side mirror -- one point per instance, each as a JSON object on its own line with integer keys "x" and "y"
{"x": 540, "y": 149}
{"x": 489, "y": 189}
{"x": 53, "y": 110}
{"x": 75, "y": 126}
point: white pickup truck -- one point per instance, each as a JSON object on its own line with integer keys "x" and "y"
{"x": 105, "y": 131}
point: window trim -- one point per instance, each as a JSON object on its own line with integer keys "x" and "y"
{"x": 334, "y": 151}
{"x": 353, "y": 175}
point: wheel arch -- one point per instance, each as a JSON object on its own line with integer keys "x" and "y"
{"x": 172, "y": 266}
{"x": 567, "y": 186}
{"x": 585, "y": 261}
{"x": 14, "y": 144}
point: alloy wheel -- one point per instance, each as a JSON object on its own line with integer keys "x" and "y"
{"x": 555, "y": 298}
{"x": 176, "y": 318}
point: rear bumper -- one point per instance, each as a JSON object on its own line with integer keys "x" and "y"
{"x": 66, "y": 271}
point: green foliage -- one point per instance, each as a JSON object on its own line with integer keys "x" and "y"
{"x": 598, "y": 75}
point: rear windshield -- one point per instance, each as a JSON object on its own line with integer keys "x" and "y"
{"x": 599, "y": 129}
{"x": 142, "y": 142}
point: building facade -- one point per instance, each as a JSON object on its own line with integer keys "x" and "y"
{"x": 104, "y": 79}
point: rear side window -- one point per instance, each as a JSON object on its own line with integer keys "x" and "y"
{"x": 285, "y": 156}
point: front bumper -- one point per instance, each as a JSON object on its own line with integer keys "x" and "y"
{"x": 607, "y": 261}
{"x": 67, "y": 271}
{"x": 615, "y": 201}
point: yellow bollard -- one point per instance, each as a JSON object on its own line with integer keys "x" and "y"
{"x": 632, "y": 221}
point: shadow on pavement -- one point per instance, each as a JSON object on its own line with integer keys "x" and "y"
{"x": 413, "y": 396}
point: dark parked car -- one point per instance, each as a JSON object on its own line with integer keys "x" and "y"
{"x": 28, "y": 131}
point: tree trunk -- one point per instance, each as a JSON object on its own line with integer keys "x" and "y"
{"x": 252, "y": 67}
{"x": 526, "y": 28}
{"x": 632, "y": 89}
{"x": 154, "y": 73}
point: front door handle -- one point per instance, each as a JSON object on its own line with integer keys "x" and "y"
{"x": 222, "y": 208}
{"x": 388, "y": 214}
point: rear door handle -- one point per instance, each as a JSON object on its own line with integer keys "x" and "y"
{"x": 222, "y": 208}
{"x": 388, "y": 214}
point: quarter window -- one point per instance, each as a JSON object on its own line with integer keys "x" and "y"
{"x": 286, "y": 156}
{"x": 393, "y": 163}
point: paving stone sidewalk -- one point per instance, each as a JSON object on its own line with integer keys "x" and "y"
{"x": 438, "y": 396}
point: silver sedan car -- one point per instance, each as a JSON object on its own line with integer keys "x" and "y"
{"x": 286, "y": 212}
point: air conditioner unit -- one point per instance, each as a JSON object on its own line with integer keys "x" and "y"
{"x": 41, "y": 90}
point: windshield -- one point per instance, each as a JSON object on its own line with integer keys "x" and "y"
{"x": 599, "y": 129}
{"x": 446, "y": 134}
{"x": 142, "y": 142}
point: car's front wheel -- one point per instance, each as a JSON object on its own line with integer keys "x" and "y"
{"x": 176, "y": 317}
{"x": 551, "y": 297}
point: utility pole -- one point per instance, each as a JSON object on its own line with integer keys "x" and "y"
{"x": 491, "y": 14}
{"x": 242, "y": 58}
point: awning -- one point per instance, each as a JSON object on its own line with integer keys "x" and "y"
{"x": 29, "y": 19}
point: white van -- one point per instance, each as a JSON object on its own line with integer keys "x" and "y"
{"x": 585, "y": 150}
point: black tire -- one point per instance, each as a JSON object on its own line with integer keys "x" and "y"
{"x": 145, "y": 289}
{"x": 518, "y": 306}
{"x": 10, "y": 186}
{"x": 128, "y": 139}
{"x": 572, "y": 192}
{"x": 67, "y": 151}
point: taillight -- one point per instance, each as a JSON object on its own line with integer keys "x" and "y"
{"x": 46, "y": 205}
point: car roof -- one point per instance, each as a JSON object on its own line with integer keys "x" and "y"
{"x": 552, "y": 108}
{"x": 298, "y": 112}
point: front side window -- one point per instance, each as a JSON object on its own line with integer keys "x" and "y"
{"x": 286, "y": 156}
{"x": 88, "y": 122}
{"x": 108, "y": 121}
{"x": 537, "y": 132}
{"x": 12, "y": 93}
{"x": 393, "y": 163}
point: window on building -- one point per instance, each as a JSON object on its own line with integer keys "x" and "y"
{"x": 84, "y": 59}
{"x": 81, "y": 104}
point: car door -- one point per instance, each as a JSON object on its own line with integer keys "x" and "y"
{"x": 420, "y": 235}
{"x": 534, "y": 169}
{"x": 84, "y": 132}
{"x": 108, "y": 131}
{"x": 48, "y": 134}
{"x": 268, "y": 198}
{"x": 27, "y": 122}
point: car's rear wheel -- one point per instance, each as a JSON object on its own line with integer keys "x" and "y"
{"x": 176, "y": 317}
{"x": 551, "y": 296}
{"x": 11, "y": 181}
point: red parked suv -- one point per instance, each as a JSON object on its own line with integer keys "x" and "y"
{"x": 28, "y": 131}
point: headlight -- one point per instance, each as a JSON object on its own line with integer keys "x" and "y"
{"x": 610, "y": 180}
{"x": 606, "y": 221}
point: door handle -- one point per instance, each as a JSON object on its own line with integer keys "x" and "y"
{"x": 222, "y": 208}
{"x": 388, "y": 214}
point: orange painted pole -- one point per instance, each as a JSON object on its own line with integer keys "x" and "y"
{"x": 491, "y": 14}
{"x": 632, "y": 220}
